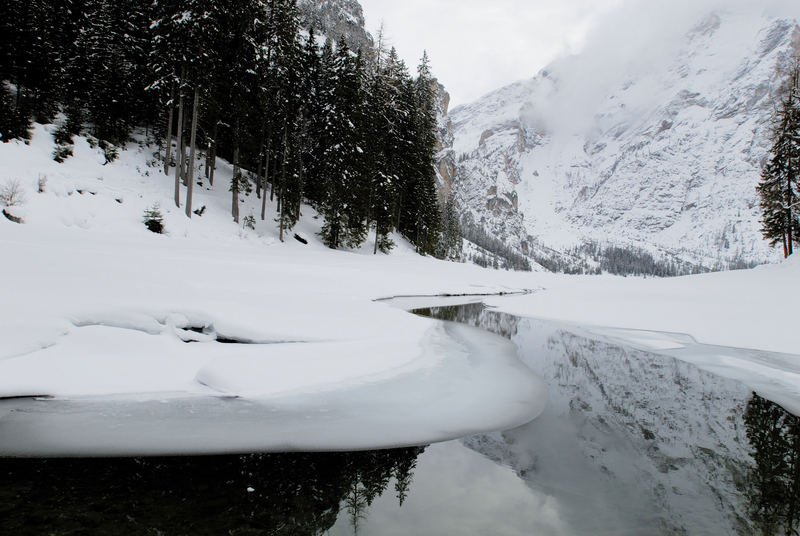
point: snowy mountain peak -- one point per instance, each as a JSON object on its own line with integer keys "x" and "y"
{"x": 656, "y": 146}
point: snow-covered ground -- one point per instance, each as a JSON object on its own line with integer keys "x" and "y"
{"x": 94, "y": 306}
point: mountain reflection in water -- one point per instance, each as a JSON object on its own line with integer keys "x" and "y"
{"x": 704, "y": 454}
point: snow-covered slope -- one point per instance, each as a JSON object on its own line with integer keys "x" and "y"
{"x": 97, "y": 307}
{"x": 655, "y": 142}
{"x": 217, "y": 337}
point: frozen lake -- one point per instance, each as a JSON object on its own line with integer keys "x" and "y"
{"x": 629, "y": 443}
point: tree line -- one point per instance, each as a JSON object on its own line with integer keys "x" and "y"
{"x": 779, "y": 188}
{"x": 350, "y": 132}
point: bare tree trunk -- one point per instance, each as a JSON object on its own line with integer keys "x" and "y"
{"x": 235, "y": 182}
{"x": 399, "y": 212}
{"x": 213, "y": 165}
{"x": 260, "y": 168}
{"x": 183, "y": 156}
{"x": 789, "y": 203}
{"x": 169, "y": 131}
{"x": 208, "y": 159}
{"x": 281, "y": 200}
{"x": 266, "y": 174}
{"x": 272, "y": 184}
{"x": 190, "y": 185}
{"x": 179, "y": 158}
{"x": 301, "y": 179}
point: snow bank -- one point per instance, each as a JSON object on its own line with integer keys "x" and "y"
{"x": 213, "y": 327}
{"x": 99, "y": 312}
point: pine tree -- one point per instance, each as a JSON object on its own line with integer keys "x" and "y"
{"x": 291, "y": 112}
{"x": 779, "y": 188}
{"x": 381, "y": 138}
{"x": 422, "y": 208}
{"x": 112, "y": 44}
{"x": 314, "y": 90}
{"x": 343, "y": 174}
{"x": 350, "y": 132}
{"x": 239, "y": 23}
{"x": 31, "y": 59}
{"x": 450, "y": 242}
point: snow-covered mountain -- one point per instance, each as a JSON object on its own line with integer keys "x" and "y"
{"x": 655, "y": 143}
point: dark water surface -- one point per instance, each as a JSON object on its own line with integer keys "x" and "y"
{"x": 631, "y": 443}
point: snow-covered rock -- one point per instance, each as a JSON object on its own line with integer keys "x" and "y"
{"x": 335, "y": 19}
{"x": 657, "y": 145}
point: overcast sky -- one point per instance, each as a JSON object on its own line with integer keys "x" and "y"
{"x": 477, "y": 46}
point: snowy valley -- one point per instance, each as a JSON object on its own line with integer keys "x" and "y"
{"x": 346, "y": 365}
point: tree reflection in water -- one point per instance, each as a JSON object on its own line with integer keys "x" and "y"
{"x": 476, "y": 315}
{"x": 275, "y": 494}
{"x": 774, "y": 483}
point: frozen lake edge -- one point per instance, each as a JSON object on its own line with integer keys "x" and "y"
{"x": 466, "y": 381}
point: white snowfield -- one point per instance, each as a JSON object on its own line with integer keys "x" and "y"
{"x": 215, "y": 338}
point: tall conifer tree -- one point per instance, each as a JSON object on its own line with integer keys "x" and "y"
{"x": 779, "y": 188}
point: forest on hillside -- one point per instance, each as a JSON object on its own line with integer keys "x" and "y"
{"x": 303, "y": 119}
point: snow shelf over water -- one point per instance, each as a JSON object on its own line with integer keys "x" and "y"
{"x": 462, "y": 381}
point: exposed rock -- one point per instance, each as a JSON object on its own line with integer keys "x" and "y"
{"x": 446, "y": 158}
{"x": 668, "y": 159}
{"x": 337, "y": 18}
{"x": 11, "y": 217}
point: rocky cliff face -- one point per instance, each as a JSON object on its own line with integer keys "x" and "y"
{"x": 336, "y": 19}
{"x": 445, "y": 156}
{"x": 664, "y": 155}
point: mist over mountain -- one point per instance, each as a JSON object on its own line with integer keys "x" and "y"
{"x": 652, "y": 139}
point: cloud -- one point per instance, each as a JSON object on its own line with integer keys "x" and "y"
{"x": 478, "y": 46}
{"x": 635, "y": 42}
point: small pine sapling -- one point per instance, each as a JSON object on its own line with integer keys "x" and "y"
{"x": 110, "y": 151}
{"x": 249, "y": 222}
{"x": 385, "y": 243}
{"x": 61, "y": 153}
{"x": 62, "y": 135}
{"x": 154, "y": 220}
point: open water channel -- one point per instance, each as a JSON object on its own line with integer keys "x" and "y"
{"x": 630, "y": 443}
